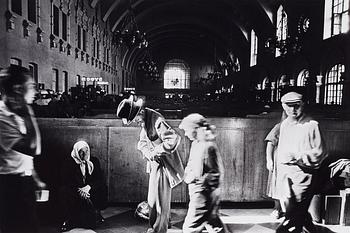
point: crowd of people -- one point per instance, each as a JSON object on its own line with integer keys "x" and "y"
{"x": 295, "y": 151}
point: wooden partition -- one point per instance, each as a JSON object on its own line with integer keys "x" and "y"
{"x": 240, "y": 140}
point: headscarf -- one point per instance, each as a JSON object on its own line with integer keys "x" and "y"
{"x": 86, "y": 160}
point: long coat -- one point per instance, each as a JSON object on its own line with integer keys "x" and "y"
{"x": 74, "y": 207}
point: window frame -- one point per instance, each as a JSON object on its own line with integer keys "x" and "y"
{"x": 333, "y": 85}
{"x": 176, "y": 65}
{"x": 281, "y": 27}
{"x": 253, "y": 48}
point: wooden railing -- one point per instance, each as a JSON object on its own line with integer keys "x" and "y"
{"x": 240, "y": 140}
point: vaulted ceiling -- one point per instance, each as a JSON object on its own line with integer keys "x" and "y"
{"x": 205, "y": 26}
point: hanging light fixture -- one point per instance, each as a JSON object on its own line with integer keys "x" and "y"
{"x": 149, "y": 67}
{"x": 130, "y": 35}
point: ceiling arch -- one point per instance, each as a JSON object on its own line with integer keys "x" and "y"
{"x": 201, "y": 25}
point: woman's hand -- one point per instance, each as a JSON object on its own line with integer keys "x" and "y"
{"x": 84, "y": 191}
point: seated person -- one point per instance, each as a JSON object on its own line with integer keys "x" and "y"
{"x": 83, "y": 193}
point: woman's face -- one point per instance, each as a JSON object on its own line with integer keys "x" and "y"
{"x": 82, "y": 152}
{"x": 29, "y": 91}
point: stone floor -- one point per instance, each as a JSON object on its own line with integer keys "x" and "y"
{"x": 122, "y": 220}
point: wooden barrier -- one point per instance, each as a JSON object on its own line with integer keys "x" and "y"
{"x": 240, "y": 140}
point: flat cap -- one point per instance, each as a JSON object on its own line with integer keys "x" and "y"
{"x": 291, "y": 97}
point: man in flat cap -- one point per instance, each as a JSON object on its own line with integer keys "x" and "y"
{"x": 158, "y": 143}
{"x": 301, "y": 151}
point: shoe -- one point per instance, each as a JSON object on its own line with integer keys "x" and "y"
{"x": 277, "y": 214}
{"x": 100, "y": 219}
{"x": 169, "y": 224}
{"x": 149, "y": 230}
{"x": 66, "y": 226}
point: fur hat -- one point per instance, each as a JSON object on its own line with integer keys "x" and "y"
{"x": 128, "y": 109}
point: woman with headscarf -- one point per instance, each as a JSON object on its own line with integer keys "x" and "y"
{"x": 204, "y": 175}
{"x": 83, "y": 193}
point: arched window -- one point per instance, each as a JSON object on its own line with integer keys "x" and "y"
{"x": 253, "y": 48}
{"x": 334, "y": 85}
{"x": 303, "y": 77}
{"x": 265, "y": 83}
{"x": 281, "y": 27}
{"x": 176, "y": 75}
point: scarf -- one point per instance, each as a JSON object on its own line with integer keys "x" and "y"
{"x": 86, "y": 160}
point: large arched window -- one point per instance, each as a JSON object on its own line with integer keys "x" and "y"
{"x": 303, "y": 77}
{"x": 281, "y": 27}
{"x": 176, "y": 75}
{"x": 334, "y": 85}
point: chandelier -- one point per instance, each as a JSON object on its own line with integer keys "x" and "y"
{"x": 149, "y": 67}
{"x": 222, "y": 68}
{"x": 291, "y": 45}
{"x": 130, "y": 35}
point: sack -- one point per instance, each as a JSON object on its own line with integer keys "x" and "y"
{"x": 142, "y": 210}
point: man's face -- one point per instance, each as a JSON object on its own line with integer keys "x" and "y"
{"x": 139, "y": 119}
{"x": 29, "y": 91}
{"x": 293, "y": 110}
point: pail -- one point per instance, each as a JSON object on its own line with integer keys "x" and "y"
{"x": 42, "y": 195}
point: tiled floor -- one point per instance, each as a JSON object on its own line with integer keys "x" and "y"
{"x": 122, "y": 220}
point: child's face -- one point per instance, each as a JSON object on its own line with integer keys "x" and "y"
{"x": 191, "y": 133}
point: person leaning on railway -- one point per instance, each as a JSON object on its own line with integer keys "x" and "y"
{"x": 158, "y": 143}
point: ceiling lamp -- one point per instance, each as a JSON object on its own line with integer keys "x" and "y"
{"x": 149, "y": 67}
{"x": 130, "y": 35}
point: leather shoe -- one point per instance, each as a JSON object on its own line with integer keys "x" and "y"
{"x": 101, "y": 219}
{"x": 66, "y": 226}
{"x": 170, "y": 224}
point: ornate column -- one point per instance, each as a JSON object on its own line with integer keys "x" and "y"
{"x": 292, "y": 82}
{"x": 318, "y": 88}
{"x": 273, "y": 88}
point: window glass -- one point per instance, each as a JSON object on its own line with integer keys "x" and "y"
{"x": 56, "y": 18}
{"x": 334, "y": 85}
{"x": 176, "y": 75}
{"x": 16, "y": 6}
{"x": 32, "y": 11}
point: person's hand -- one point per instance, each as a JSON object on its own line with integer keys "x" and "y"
{"x": 84, "y": 191}
{"x": 291, "y": 162}
{"x": 40, "y": 184}
{"x": 155, "y": 156}
{"x": 269, "y": 165}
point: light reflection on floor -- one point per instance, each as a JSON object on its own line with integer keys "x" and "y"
{"x": 237, "y": 220}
